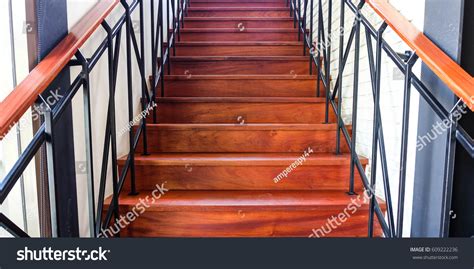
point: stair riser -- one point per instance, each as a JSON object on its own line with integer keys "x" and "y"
{"x": 240, "y": 13}
{"x": 244, "y": 67}
{"x": 242, "y": 88}
{"x": 239, "y": 36}
{"x": 236, "y": 1}
{"x": 199, "y": 140}
{"x": 237, "y": 50}
{"x": 241, "y": 113}
{"x": 193, "y": 177}
{"x": 237, "y": 24}
{"x": 237, "y": 4}
{"x": 243, "y": 223}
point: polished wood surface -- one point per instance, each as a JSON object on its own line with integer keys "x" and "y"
{"x": 247, "y": 214}
{"x": 25, "y": 94}
{"x": 243, "y": 171}
{"x": 241, "y": 86}
{"x": 456, "y": 78}
{"x": 241, "y": 110}
{"x": 235, "y": 115}
{"x": 270, "y": 12}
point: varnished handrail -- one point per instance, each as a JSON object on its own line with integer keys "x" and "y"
{"x": 456, "y": 78}
{"x": 25, "y": 94}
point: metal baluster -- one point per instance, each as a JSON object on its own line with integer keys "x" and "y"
{"x": 168, "y": 36}
{"x": 311, "y": 42}
{"x": 51, "y": 162}
{"x": 113, "y": 137}
{"x": 143, "y": 74}
{"x": 128, "y": 29}
{"x": 341, "y": 72}
{"x": 162, "y": 49}
{"x": 404, "y": 143}
{"x": 154, "y": 54}
{"x": 328, "y": 60}
{"x": 355, "y": 95}
{"x": 449, "y": 172}
{"x": 318, "y": 60}
{"x": 88, "y": 141}
{"x": 375, "y": 131}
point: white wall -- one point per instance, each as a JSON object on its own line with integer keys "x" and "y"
{"x": 10, "y": 146}
{"x": 391, "y": 102}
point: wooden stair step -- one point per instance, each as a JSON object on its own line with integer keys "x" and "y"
{"x": 237, "y": 1}
{"x": 239, "y": 11}
{"x": 239, "y": 4}
{"x": 207, "y": 138}
{"x": 240, "y": 65}
{"x": 241, "y": 110}
{"x": 238, "y": 22}
{"x": 241, "y": 86}
{"x": 243, "y": 171}
{"x": 239, "y": 48}
{"x": 245, "y": 214}
{"x": 238, "y": 34}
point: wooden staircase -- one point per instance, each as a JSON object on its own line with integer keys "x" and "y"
{"x": 240, "y": 107}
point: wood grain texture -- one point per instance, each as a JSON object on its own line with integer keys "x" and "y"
{"x": 270, "y": 12}
{"x": 240, "y": 171}
{"x": 242, "y": 138}
{"x": 456, "y": 78}
{"x": 239, "y": 48}
{"x": 242, "y": 86}
{"x": 26, "y": 93}
{"x": 234, "y": 65}
{"x": 241, "y": 110}
{"x": 248, "y": 214}
{"x": 238, "y": 22}
{"x": 238, "y": 34}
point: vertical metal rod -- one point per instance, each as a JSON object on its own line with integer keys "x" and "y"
{"x": 304, "y": 26}
{"x": 168, "y": 36}
{"x": 161, "y": 43}
{"x": 299, "y": 19}
{"x": 355, "y": 95}
{"x": 183, "y": 12}
{"x": 383, "y": 158}
{"x": 18, "y": 126}
{"x": 318, "y": 60}
{"x": 113, "y": 136}
{"x": 88, "y": 142}
{"x": 173, "y": 21}
{"x": 128, "y": 29}
{"x": 178, "y": 18}
{"x": 154, "y": 54}
{"x": 375, "y": 131}
{"x": 328, "y": 60}
{"x": 51, "y": 162}
{"x": 311, "y": 27}
{"x": 142, "y": 66}
{"x": 341, "y": 72}
{"x": 449, "y": 173}
{"x": 404, "y": 144}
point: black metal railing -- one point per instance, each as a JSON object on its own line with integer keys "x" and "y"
{"x": 165, "y": 27}
{"x": 320, "y": 47}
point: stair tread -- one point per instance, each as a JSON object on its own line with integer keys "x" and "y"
{"x": 241, "y": 100}
{"x": 237, "y": 18}
{"x": 179, "y": 200}
{"x": 247, "y": 159}
{"x": 263, "y": 8}
{"x": 237, "y": 30}
{"x": 246, "y": 127}
{"x": 237, "y": 77}
{"x": 238, "y": 58}
{"x": 238, "y": 43}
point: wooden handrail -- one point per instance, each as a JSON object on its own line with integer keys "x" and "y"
{"x": 25, "y": 94}
{"x": 456, "y": 78}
